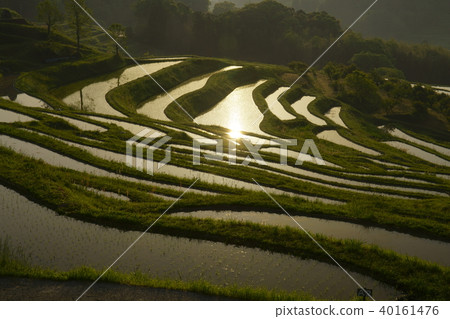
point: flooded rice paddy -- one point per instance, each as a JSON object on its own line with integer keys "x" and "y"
{"x": 402, "y": 135}
{"x": 27, "y": 100}
{"x": 7, "y": 116}
{"x": 92, "y": 97}
{"x": 334, "y": 115}
{"x": 62, "y": 243}
{"x": 426, "y": 249}
{"x": 155, "y": 108}
{"x": 417, "y": 152}
{"x": 236, "y": 112}
{"x": 336, "y": 138}
{"x": 276, "y": 107}
{"x": 301, "y": 107}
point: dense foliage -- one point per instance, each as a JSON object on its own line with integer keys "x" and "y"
{"x": 267, "y": 32}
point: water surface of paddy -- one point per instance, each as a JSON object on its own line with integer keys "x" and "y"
{"x": 62, "y": 243}
{"x": 334, "y": 115}
{"x": 155, "y": 108}
{"x": 7, "y": 116}
{"x": 236, "y": 112}
{"x": 301, "y": 107}
{"x": 92, "y": 97}
{"x": 335, "y": 137}
{"x": 276, "y": 107}
{"x": 400, "y": 134}
{"x": 417, "y": 152}
{"x": 27, "y": 100}
{"x": 427, "y": 249}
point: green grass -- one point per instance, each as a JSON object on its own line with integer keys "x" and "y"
{"x": 127, "y": 98}
{"x": 405, "y": 215}
{"x": 404, "y": 273}
{"x": 426, "y": 216}
{"x": 27, "y": 47}
{"x": 41, "y": 82}
{"x": 10, "y": 265}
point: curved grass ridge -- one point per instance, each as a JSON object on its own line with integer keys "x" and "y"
{"x": 418, "y": 279}
{"x": 40, "y": 83}
{"x": 284, "y": 182}
{"x": 217, "y": 88}
{"x": 403, "y": 215}
{"x": 129, "y": 97}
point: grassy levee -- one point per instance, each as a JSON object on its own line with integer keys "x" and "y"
{"x": 418, "y": 279}
{"x": 115, "y": 138}
{"x": 40, "y": 83}
{"x": 129, "y": 97}
{"x": 26, "y": 175}
{"x": 14, "y": 266}
{"x": 363, "y": 131}
{"x": 216, "y": 89}
{"x": 184, "y": 160}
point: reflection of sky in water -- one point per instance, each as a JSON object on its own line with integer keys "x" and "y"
{"x": 27, "y": 100}
{"x": 276, "y": 107}
{"x": 428, "y": 249}
{"x": 155, "y": 108}
{"x": 93, "y": 95}
{"x": 301, "y": 107}
{"x": 400, "y": 134}
{"x": 334, "y": 137}
{"x": 334, "y": 115}
{"x": 237, "y": 112}
{"x": 11, "y": 117}
{"x": 417, "y": 152}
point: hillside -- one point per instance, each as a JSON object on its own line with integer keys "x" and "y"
{"x": 397, "y": 20}
{"x": 368, "y": 174}
{"x": 270, "y": 32}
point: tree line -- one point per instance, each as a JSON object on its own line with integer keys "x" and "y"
{"x": 266, "y": 31}
{"x": 271, "y": 32}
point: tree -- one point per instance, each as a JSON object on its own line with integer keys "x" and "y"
{"x": 77, "y": 18}
{"x": 223, "y": 7}
{"x": 49, "y": 13}
{"x": 362, "y": 92}
{"x": 5, "y": 15}
{"x": 197, "y": 5}
{"x": 117, "y": 31}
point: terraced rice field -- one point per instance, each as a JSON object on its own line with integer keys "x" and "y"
{"x": 340, "y": 200}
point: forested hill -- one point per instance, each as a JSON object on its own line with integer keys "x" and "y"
{"x": 271, "y": 32}
{"x": 415, "y": 21}
{"x": 267, "y": 32}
